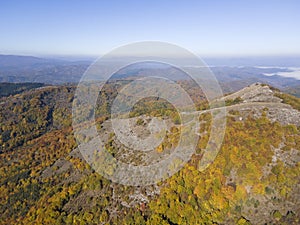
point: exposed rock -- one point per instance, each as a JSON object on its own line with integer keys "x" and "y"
{"x": 255, "y": 93}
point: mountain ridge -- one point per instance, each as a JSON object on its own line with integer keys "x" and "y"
{"x": 255, "y": 172}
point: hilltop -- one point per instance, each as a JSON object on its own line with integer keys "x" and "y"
{"x": 254, "y": 179}
{"x": 260, "y": 98}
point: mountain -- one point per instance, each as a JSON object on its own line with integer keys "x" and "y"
{"x": 234, "y": 78}
{"x": 253, "y": 180}
{"x": 61, "y": 71}
{"x": 293, "y": 90}
{"x": 40, "y": 70}
{"x": 266, "y": 61}
{"x": 11, "y": 61}
{"x": 7, "y": 89}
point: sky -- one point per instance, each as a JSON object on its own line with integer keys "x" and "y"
{"x": 94, "y": 27}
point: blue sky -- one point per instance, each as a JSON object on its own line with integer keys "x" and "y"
{"x": 208, "y": 28}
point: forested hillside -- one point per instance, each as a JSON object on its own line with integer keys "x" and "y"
{"x": 255, "y": 178}
{"x": 7, "y": 89}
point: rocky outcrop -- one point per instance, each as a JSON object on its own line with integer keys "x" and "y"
{"x": 255, "y": 93}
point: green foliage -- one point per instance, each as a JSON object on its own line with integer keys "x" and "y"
{"x": 289, "y": 99}
{"x": 140, "y": 122}
{"x": 42, "y": 183}
{"x": 33, "y": 114}
{"x": 7, "y": 89}
{"x": 243, "y": 221}
{"x": 233, "y": 101}
{"x": 277, "y": 215}
{"x": 192, "y": 197}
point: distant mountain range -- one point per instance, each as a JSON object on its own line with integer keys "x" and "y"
{"x": 232, "y": 73}
{"x": 33, "y": 69}
{"x": 267, "y": 61}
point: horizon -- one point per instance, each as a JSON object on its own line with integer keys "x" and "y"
{"x": 94, "y": 57}
{"x": 150, "y": 112}
{"x": 291, "y": 64}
